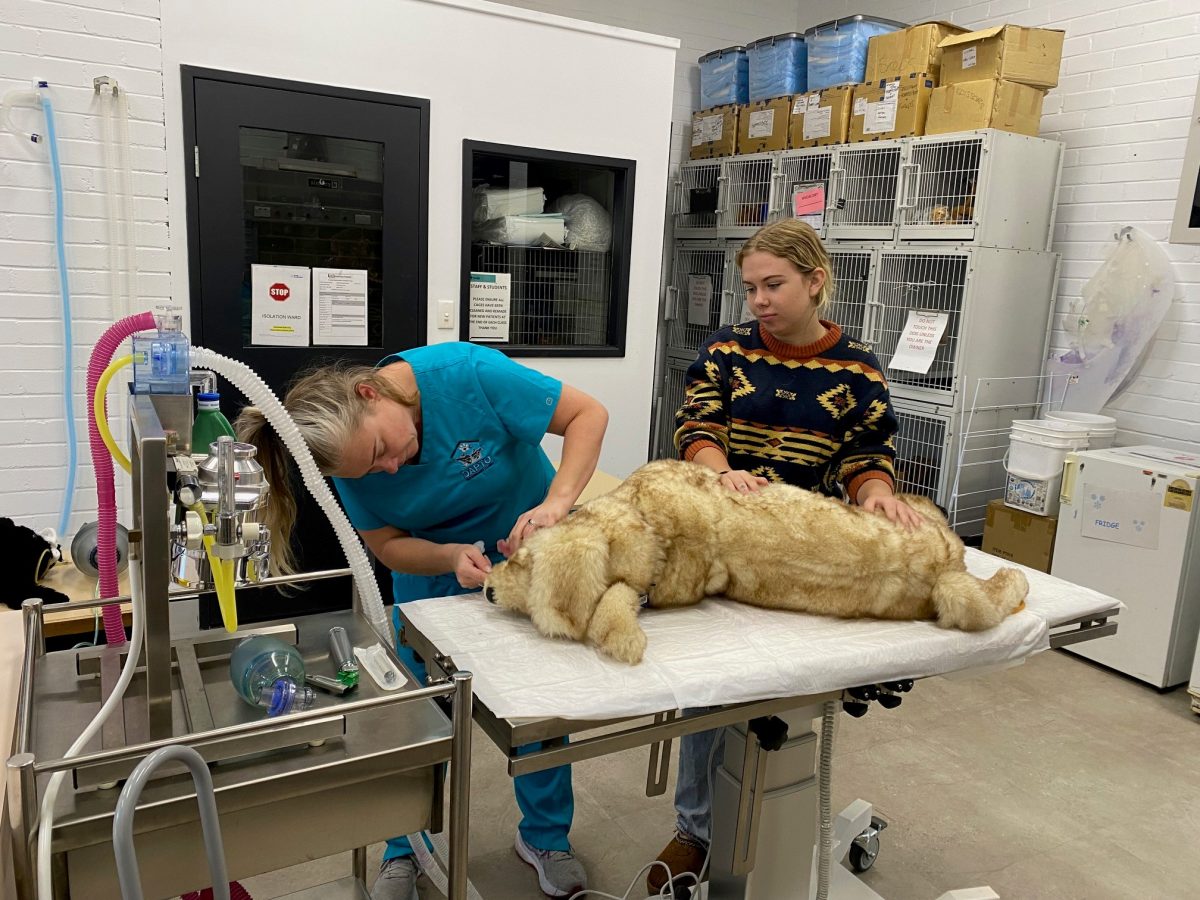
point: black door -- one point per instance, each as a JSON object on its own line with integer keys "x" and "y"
{"x": 299, "y": 175}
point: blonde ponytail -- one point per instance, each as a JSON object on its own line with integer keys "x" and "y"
{"x": 328, "y": 409}
{"x": 252, "y": 428}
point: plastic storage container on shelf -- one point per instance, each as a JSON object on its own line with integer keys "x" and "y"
{"x": 778, "y": 66}
{"x": 724, "y": 77}
{"x": 1102, "y": 430}
{"x": 837, "y": 50}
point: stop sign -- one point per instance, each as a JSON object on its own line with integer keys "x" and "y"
{"x": 280, "y": 291}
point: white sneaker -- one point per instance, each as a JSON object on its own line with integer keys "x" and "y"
{"x": 559, "y": 874}
{"x": 397, "y": 879}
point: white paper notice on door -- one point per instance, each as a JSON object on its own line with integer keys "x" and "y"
{"x": 919, "y": 341}
{"x": 339, "y": 307}
{"x": 700, "y": 295}
{"x": 490, "y": 307}
{"x": 279, "y": 307}
{"x": 1123, "y": 517}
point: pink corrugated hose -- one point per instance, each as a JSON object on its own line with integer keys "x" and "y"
{"x": 106, "y": 491}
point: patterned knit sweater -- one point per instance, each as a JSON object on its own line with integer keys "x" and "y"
{"x": 816, "y": 416}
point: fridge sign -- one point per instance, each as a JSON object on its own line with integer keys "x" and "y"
{"x": 1122, "y": 517}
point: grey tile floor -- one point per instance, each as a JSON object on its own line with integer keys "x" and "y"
{"x": 1055, "y": 779}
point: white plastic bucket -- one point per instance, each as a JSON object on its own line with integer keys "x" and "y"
{"x": 1102, "y": 430}
{"x": 1038, "y": 449}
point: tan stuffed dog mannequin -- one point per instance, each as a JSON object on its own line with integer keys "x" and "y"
{"x": 673, "y": 532}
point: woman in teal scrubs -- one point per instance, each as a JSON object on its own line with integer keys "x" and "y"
{"x": 436, "y": 452}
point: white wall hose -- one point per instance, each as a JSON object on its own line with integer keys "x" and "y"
{"x": 829, "y": 713}
{"x": 45, "y": 831}
{"x": 257, "y": 392}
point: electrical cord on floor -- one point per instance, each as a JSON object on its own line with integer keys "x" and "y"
{"x": 668, "y": 889}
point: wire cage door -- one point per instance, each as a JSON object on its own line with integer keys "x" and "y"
{"x": 746, "y": 194}
{"x": 864, "y": 192}
{"x": 698, "y": 296}
{"x": 924, "y": 458}
{"x": 697, "y": 198}
{"x": 798, "y": 170}
{"x": 734, "y": 309}
{"x": 674, "y": 380}
{"x": 941, "y": 180}
{"x": 920, "y": 284}
{"x": 559, "y": 297}
{"x": 854, "y": 280}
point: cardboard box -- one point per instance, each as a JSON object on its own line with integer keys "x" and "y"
{"x": 764, "y": 125}
{"x": 821, "y": 118}
{"x": 889, "y": 109}
{"x": 995, "y": 103}
{"x": 906, "y": 52}
{"x": 715, "y": 131}
{"x": 1019, "y": 536}
{"x": 1029, "y": 56}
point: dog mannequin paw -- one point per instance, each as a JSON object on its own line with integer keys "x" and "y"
{"x": 624, "y": 645}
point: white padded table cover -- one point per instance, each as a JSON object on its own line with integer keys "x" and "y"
{"x": 721, "y": 652}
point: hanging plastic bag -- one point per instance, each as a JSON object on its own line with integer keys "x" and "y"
{"x": 1114, "y": 320}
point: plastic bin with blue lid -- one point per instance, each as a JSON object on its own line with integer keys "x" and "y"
{"x": 778, "y": 66}
{"x": 837, "y": 50}
{"x": 724, "y": 77}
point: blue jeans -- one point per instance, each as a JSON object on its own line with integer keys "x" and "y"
{"x": 546, "y": 799}
{"x": 694, "y": 782}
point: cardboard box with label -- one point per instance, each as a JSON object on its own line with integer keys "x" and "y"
{"x": 764, "y": 126}
{"x": 715, "y": 131}
{"x": 821, "y": 118}
{"x": 915, "y": 49}
{"x": 1029, "y": 56}
{"x": 995, "y": 103}
{"x": 1019, "y": 536}
{"x": 890, "y": 109}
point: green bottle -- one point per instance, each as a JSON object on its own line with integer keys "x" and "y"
{"x": 210, "y": 424}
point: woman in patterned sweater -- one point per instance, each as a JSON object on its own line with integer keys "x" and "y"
{"x": 784, "y": 398}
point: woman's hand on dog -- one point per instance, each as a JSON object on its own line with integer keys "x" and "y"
{"x": 896, "y": 510}
{"x": 545, "y": 514}
{"x": 742, "y": 481}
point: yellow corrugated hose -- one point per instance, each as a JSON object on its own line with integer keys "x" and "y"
{"x": 98, "y": 410}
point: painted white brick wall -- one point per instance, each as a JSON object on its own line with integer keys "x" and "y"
{"x": 68, "y": 44}
{"x": 1122, "y": 108}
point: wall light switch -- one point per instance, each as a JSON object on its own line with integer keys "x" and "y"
{"x": 445, "y": 313}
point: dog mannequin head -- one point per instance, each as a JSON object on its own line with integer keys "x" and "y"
{"x": 556, "y": 578}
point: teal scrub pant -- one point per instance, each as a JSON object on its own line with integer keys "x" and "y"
{"x": 546, "y": 799}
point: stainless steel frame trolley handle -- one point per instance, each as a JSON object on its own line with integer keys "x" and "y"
{"x": 123, "y": 849}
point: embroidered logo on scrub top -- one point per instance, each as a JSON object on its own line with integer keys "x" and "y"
{"x": 471, "y": 455}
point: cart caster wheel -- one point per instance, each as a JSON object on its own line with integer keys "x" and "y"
{"x": 862, "y": 856}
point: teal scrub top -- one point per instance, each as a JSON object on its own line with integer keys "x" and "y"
{"x": 480, "y": 463}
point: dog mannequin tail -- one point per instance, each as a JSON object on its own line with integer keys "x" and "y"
{"x": 961, "y": 600}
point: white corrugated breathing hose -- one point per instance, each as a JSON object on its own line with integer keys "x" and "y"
{"x": 45, "y": 831}
{"x": 257, "y": 392}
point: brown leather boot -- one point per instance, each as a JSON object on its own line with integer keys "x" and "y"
{"x": 684, "y": 854}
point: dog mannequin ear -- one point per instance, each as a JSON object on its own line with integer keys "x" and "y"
{"x": 568, "y": 578}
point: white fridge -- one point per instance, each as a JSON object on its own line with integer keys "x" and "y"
{"x": 1128, "y": 527}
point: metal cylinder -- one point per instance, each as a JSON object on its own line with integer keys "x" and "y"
{"x": 22, "y": 811}
{"x": 226, "y": 506}
{"x": 460, "y": 783}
